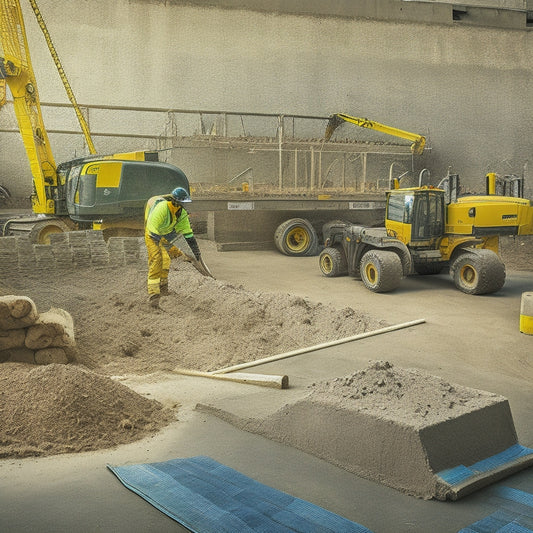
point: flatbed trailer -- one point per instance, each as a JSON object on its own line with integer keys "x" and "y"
{"x": 292, "y": 224}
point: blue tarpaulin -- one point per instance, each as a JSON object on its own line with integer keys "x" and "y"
{"x": 208, "y": 497}
{"x": 515, "y": 514}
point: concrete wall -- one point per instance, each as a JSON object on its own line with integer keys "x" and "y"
{"x": 468, "y": 88}
{"x": 497, "y": 4}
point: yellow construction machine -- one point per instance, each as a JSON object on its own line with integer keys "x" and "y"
{"x": 428, "y": 229}
{"x": 105, "y": 192}
{"x": 419, "y": 141}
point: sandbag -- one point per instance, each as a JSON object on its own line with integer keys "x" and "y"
{"x": 55, "y": 328}
{"x": 13, "y": 338}
{"x": 17, "y": 312}
{"x": 48, "y": 356}
{"x": 18, "y": 355}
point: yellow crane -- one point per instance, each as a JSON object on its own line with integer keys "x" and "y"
{"x": 419, "y": 141}
{"x": 81, "y": 119}
{"x": 106, "y": 192}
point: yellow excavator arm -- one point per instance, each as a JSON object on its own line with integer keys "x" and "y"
{"x": 16, "y": 69}
{"x": 337, "y": 119}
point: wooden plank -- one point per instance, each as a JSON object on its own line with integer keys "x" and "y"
{"x": 263, "y": 380}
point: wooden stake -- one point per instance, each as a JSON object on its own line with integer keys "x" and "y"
{"x": 263, "y": 380}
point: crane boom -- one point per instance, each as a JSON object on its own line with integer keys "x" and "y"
{"x": 337, "y": 119}
{"x": 81, "y": 119}
{"x": 107, "y": 192}
{"x": 17, "y": 70}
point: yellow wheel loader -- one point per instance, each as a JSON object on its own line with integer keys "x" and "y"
{"x": 429, "y": 229}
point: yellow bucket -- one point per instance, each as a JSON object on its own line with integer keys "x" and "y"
{"x": 526, "y": 313}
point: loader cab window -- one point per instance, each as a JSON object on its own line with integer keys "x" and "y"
{"x": 400, "y": 207}
{"x": 428, "y": 215}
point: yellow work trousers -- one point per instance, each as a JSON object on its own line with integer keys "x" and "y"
{"x": 158, "y": 265}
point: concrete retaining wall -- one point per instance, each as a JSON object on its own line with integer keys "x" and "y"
{"x": 467, "y": 87}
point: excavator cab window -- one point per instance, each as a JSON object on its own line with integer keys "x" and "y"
{"x": 73, "y": 195}
{"x": 428, "y": 215}
{"x": 87, "y": 190}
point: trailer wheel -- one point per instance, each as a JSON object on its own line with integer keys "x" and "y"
{"x": 297, "y": 237}
{"x": 479, "y": 272}
{"x": 333, "y": 262}
{"x": 381, "y": 270}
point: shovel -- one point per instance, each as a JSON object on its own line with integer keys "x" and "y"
{"x": 200, "y": 266}
{"x": 182, "y": 245}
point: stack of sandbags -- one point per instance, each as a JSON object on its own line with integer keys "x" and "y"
{"x": 27, "y": 336}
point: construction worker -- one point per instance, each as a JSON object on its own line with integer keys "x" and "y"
{"x": 164, "y": 219}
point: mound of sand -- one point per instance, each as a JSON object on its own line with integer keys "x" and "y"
{"x": 409, "y": 396}
{"x": 57, "y": 408}
{"x": 205, "y": 324}
{"x": 400, "y": 427}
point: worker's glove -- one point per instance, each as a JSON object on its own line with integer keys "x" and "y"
{"x": 156, "y": 238}
{"x": 193, "y": 245}
{"x": 174, "y": 252}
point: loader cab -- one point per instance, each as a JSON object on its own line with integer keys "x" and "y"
{"x": 416, "y": 216}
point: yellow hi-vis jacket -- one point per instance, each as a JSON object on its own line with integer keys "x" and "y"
{"x": 161, "y": 217}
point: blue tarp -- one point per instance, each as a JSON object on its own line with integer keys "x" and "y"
{"x": 460, "y": 473}
{"x": 208, "y": 497}
{"x": 515, "y": 514}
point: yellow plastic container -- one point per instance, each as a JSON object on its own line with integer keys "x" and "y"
{"x": 526, "y": 313}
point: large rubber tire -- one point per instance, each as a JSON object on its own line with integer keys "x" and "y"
{"x": 41, "y": 231}
{"x": 381, "y": 270}
{"x": 479, "y": 272}
{"x": 332, "y": 262}
{"x": 428, "y": 269}
{"x": 296, "y": 237}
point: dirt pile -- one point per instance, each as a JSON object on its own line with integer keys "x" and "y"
{"x": 409, "y": 396}
{"x": 400, "y": 427}
{"x": 205, "y": 324}
{"x": 63, "y": 408}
